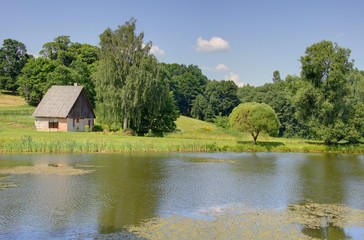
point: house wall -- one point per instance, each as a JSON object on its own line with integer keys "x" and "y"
{"x": 74, "y": 126}
{"x": 42, "y": 124}
{"x": 62, "y": 124}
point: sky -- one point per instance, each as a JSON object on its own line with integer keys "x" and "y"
{"x": 239, "y": 40}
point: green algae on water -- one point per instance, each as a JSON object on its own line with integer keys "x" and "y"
{"x": 247, "y": 223}
{"x": 59, "y": 169}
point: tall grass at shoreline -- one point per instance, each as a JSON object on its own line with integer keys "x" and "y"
{"x": 27, "y": 144}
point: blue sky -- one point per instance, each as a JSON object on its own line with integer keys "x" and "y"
{"x": 240, "y": 40}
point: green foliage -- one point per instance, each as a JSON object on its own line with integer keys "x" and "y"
{"x": 131, "y": 91}
{"x": 33, "y": 82}
{"x": 279, "y": 96}
{"x": 276, "y": 76}
{"x": 220, "y": 97}
{"x": 62, "y": 63}
{"x": 324, "y": 64}
{"x": 254, "y": 118}
{"x": 13, "y": 57}
{"x": 324, "y": 100}
{"x": 186, "y": 83}
{"x": 222, "y": 122}
{"x": 201, "y": 108}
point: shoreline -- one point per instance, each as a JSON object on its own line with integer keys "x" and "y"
{"x": 143, "y": 144}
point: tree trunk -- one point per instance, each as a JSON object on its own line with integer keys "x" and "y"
{"x": 125, "y": 122}
{"x": 255, "y": 137}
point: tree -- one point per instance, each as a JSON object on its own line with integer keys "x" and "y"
{"x": 222, "y": 97}
{"x": 219, "y": 99}
{"x": 13, "y": 57}
{"x": 33, "y": 81}
{"x": 279, "y": 96}
{"x": 186, "y": 83}
{"x": 276, "y": 76}
{"x": 322, "y": 101}
{"x": 254, "y": 118}
{"x": 200, "y": 108}
{"x": 62, "y": 62}
{"x": 129, "y": 87}
{"x": 58, "y": 50}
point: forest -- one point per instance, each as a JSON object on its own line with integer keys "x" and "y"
{"x": 132, "y": 91}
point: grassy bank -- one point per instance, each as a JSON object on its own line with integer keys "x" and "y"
{"x": 17, "y": 134}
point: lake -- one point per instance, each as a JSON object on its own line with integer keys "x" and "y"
{"x": 82, "y": 196}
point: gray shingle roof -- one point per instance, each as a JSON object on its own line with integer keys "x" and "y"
{"x": 58, "y": 101}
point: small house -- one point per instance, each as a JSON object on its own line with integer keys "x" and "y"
{"x": 64, "y": 108}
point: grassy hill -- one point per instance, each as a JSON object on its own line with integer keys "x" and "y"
{"x": 17, "y": 134}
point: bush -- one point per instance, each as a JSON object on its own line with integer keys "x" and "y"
{"x": 149, "y": 133}
{"x": 222, "y": 122}
{"x": 97, "y": 128}
{"x": 128, "y": 132}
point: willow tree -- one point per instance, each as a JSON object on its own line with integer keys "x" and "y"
{"x": 127, "y": 79}
{"x": 254, "y": 118}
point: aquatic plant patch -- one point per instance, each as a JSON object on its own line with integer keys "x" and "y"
{"x": 245, "y": 223}
{"x": 59, "y": 169}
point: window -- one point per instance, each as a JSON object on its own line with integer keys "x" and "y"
{"x": 52, "y": 124}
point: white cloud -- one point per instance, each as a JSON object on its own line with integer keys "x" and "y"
{"x": 206, "y": 68}
{"x": 222, "y": 67}
{"x": 235, "y": 78}
{"x": 157, "y": 51}
{"x": 213, "y": 45}
{"x": 218, "y": 68}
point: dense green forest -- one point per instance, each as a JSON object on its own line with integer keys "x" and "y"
{"x": 131, "y": 90}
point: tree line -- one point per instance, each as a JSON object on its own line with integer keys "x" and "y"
{"x": 131, "y": 90}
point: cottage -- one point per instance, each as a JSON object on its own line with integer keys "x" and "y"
{"x": 64, "y": 108}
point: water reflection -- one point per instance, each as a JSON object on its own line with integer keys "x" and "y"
{"x": 326, "y": 178}
{"x": 127, "y": 189}
{"x": 329, "y": 232}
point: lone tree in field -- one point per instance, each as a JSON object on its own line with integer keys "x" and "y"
{"x": 254, "y": 118}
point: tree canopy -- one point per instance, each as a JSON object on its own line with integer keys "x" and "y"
{"x": 219, "y": 99}
{"x": 13, "y": 57}
{"x": 323, "y": 99}
{"x": 62, "y": 62}
{"x": 186, "y": 83}
{"x": 131, "y": 92}
{"x": 254, "y": 118}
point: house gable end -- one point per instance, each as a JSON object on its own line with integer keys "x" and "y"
{"x": 81, "y": 108}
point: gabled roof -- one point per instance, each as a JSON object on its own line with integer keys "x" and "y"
{"x": 58, "y": 101}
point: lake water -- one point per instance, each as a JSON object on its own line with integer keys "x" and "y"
{"x": 129, "y": 189}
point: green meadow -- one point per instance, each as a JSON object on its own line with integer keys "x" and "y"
{"x": 17, "y": 134}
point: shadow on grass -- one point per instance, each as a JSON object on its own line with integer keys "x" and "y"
{"x": 6, "y": 92}
{"x": 263, "y": 144}
{"x": 343, "y": 143}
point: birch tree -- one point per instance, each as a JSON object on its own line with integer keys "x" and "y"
{"x": 126, "y": 79}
